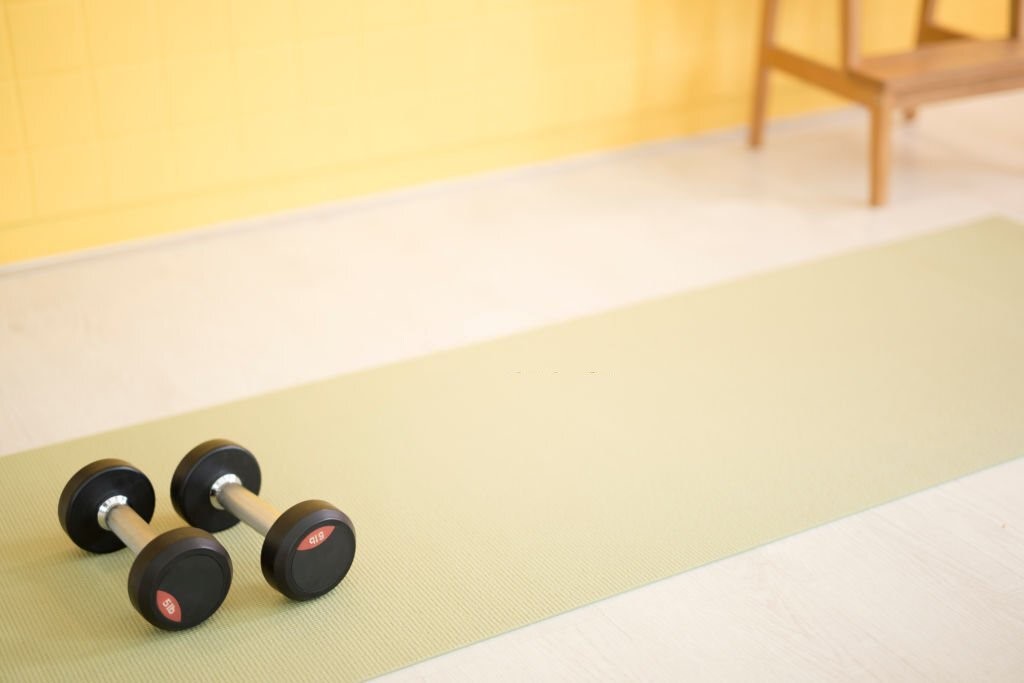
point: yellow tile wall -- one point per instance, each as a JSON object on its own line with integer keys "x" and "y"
{"x": 122, "y": 119}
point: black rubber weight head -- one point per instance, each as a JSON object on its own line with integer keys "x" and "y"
{"x": 196, "y": 473}
{"x": 308, "y": 550}
{"x": 180, "y": 579}
{"x": 89, "y": 488}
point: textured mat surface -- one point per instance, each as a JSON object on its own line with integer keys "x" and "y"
{"x": 496, "y": 485}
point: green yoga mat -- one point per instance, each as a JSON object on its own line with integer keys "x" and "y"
{"x": 496, "y": 485}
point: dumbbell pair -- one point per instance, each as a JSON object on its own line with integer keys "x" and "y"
{"x": 180, "y": 578}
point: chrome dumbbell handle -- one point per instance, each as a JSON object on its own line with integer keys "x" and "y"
{"x": 228, "y": 493}
{"x": 116, "y": 515}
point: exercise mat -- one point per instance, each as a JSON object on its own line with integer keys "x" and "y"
{"x": 496, "y": 485}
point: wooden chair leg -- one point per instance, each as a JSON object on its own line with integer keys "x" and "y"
{"x": 925, "y": 19}
{"x": 881, "y": 144}
{"x": 761, "y": 79}
{"x": 760, "y": 110}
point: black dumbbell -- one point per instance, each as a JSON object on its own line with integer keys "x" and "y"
{"x": 179, "y": 578}
{"x": 308, "y": 548}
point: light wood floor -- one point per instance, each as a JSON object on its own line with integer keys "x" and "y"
{"x": 927, "y": 588}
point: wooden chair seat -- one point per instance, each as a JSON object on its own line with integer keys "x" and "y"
{"x": 942, "y": 65}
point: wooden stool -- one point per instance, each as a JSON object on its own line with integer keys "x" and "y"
{"x": 946, "y": 65}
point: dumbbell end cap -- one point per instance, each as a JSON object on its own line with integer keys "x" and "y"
{"x": 88, "y": 488}
{"x": 308, "y": 550}
{"x": 180, "y": 579}
{"x": 196, "y": 474}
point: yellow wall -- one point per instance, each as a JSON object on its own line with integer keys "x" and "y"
{"x": 126, "y": 118}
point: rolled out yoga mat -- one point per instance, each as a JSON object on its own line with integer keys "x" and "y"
{"x": 496, "y": 485}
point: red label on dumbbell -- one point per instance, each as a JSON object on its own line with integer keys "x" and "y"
{"x": 168, "y": 606}
{"x": 316, "y": 537}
